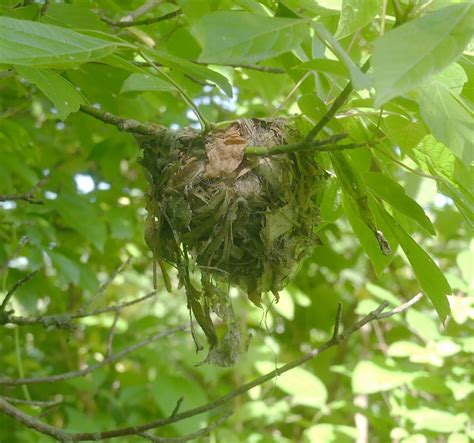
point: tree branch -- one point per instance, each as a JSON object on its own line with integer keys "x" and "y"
{"x": 64, "y": 320}
{"x": 124, "y": 124}
{"x": 29, "y": 196}
{"x": 202, "y": 432}
{"x": 146, "y": 21}
{"x": 328, "y": 144}
{"x": 12, "y": 290}
{"x": 377, "y": 314}
{"x": 87, "y": 370}
{"x": 37, "y": 403}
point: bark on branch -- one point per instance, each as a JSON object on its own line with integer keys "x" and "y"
{"x": 337, "y": 338}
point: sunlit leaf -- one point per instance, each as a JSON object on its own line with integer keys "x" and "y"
{"x": 369, "y": 378}
{"x": 356, "y": 14}
{"x": 246, "y": 38}
{"x": 303, "y": 386}
{"x": 61, "y": 92}
{"x": 28, "y": 43}
{"x": 407, "y": 55}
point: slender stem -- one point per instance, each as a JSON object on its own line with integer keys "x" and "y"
{"x": 29, "y": 196}
{"x": 340, "y": 100}
{"x": 295, "y": 88}
{"x": 44, "y": 8}
{"x": 141, "y": 10}
{"x": 261, "y": 68}
{"x": 19, "y": 283}
{"x": 398, "y": 10}
{"x": 205, "y": 125}
{"x": 328, "y": 144}
{"x": 146, "y": 21}
{"x": 19, "y": 363}
{"x": 91, "y": 368}
{"x": 383, "y": 17}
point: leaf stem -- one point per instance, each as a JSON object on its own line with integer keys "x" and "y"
{"x": 338, "y": 102}
{"x": 145, "y": 21}
{"x": 205, "y": 125}
{"x": 328, "y": 144}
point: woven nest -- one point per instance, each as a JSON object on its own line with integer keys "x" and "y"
{"x": 223, "y": 218}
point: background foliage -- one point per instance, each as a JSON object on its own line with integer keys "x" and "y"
{"x": 408, "y": 379}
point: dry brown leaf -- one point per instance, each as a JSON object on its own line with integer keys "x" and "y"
{"x": 226, "y": 154}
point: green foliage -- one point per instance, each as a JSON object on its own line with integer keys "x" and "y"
{"x": 396, "y": 215}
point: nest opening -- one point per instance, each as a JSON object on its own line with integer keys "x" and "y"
{"x": 229, "y": 218}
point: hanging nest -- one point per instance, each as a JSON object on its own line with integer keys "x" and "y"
{"x": 224, "y": 218}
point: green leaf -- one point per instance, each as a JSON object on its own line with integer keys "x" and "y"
{"x": 365, "y": 236}
{"x": 239, "y": 37}
{"x": 453, "y": 178}
{"x": 356, "y": 14}
{"x": 61, "y": 92}
{"x": 369, "y": 378}
{"x": 67, "y": 270}
{"x": 145, "y": 82}
{"x": 405, "y": 133}
{"x": 358, "y": 78}
{"x": 29, "y": 43}
{"x": 453, "y": 77}
{"x": 304, "y": 387}
{"x": 385, "y": 188}
{"x": 449, "y": 118}
{"x": 423, "y": 325}
{"x": 407, "y": 55}
{"x": 192, "y": 69}
{"x": 325, "y": 66}
{"x": 83, "y": 217}
{"x": 437, "y": 421}
{"x": 73, "y": 16}
{"x": 429, "y": 276}
{"x": 329, "y": 433}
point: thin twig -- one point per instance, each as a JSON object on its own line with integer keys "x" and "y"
{"x": 146, "y": 21}
{"x": 328, "y": 144}
{"x": 190, "y": 437}
{"x": 293, "y": 90}
{"x": 337, "y": 322}
{"x": 402, "y": 307}
{"x": 205, "y": 125}
{"x": 260, "y": 68}
{"x": 111, "y": 335}
{"x": 37, "y": 403}
{"x": 383, "y": 17}
{"x": 12, "y": 290}
{"x": 91, "y": 368}
{"x": 44, "y": 8}
{"x": 105, "y": 285}
{"x": 64, "y": 320}
{"x": 141, "y": 10}
{"x": 29, "y": 196}
{"x": 137, "y": 429}
{"x": 124, "y": 124}
{"x": 33, "y": 422}
{"x": 397, "y": 10}
{"x": 338, "y": 102}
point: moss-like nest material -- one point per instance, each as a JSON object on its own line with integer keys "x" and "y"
{"x": 223, "y": 217}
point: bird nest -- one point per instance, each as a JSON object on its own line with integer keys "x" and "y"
{"x": 224, "y": 217}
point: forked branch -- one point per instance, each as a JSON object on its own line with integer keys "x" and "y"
{"x": 337, "y": 338}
